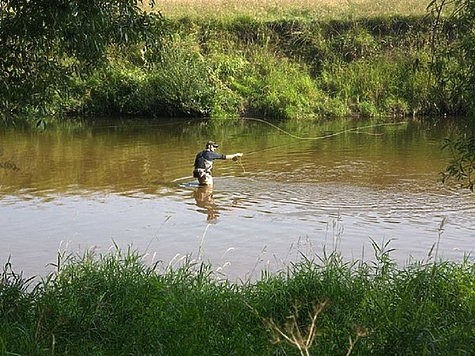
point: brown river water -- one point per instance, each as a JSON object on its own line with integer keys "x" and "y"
{"x": 300, "y": 188}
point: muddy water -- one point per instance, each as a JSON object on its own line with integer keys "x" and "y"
{"x": 90, "y": 186}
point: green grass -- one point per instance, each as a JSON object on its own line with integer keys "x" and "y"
{"x": 369, "y": 64}
{"x": 270, "y": 59}
{"x": 116, "y": 304}
{"x": 282, "y": 69}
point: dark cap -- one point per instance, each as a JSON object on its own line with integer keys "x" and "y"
{"x": 211, "y": 143}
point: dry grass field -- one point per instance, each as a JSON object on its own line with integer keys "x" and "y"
{"x": 271, "y": 9}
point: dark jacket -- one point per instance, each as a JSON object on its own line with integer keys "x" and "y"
{"x": 204, "y": 162}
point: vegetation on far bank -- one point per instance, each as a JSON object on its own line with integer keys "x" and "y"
{"x": 111, "y": 57}
{"x": 116, "y": 304}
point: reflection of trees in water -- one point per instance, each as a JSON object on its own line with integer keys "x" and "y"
{"x": 205, "y": 201}
{"x": 8, "y": 164}
{"x": 150, "y": 159}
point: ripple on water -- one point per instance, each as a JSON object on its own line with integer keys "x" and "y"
{"x": 386, "y": 208}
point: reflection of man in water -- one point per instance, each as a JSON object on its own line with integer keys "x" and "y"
{"x": 204, "y": 163}
{"x": 204, "y": 199}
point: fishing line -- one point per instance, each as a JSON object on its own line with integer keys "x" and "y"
{"x": 355, "y": 129}
{"x": 239, "y": 161}
{"x": 329, "y": 135}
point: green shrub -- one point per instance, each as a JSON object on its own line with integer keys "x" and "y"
{"x": 180, "y": 82}
{"x": 276, "y": 88}
{"x": 286, "y": 69}
{"x": 116, "y": 89}
{"x": 382, "y": 85}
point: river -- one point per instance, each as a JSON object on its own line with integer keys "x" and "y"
{"x": 300, "y": 188}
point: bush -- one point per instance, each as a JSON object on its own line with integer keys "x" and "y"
{"x": 180, "y": 82}
{"x": 276, "y": 88}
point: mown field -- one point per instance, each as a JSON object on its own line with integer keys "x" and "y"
{"x": 267, "y": 9}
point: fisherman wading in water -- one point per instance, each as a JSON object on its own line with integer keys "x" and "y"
{"x": 204, "y": 163}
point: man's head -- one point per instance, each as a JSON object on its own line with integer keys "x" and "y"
{"x": 211, "y": 145}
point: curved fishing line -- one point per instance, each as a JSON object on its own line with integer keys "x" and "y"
{"x": 171, "y": 123}
{"x": 355, "y": 129}
{"x": 329, "y": 135}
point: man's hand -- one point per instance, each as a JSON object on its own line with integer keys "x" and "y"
{"x": 236, "y": 156}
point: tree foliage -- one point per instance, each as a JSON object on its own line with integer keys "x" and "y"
{"x": 454, "y": 51}
{"x": 462, "y": 165}
{"x": 454, "y": 65}
{"x": 42, "y": 42}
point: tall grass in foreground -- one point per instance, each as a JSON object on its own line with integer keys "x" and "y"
{"x": 115, "y": 304}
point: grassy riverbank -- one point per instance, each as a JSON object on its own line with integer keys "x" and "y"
{"x": 282, "y": 69}
{"x": 115, "y": 304}
{"x": 277, "y": 60}
{"x": 364, "y": 64}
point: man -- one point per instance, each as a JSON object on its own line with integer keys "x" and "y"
{"x": 204, "y": 163}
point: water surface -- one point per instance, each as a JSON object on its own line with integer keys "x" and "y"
{"x": 129, "y": 183}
